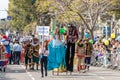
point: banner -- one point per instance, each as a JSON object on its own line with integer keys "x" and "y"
{"x": 42, "y": 30}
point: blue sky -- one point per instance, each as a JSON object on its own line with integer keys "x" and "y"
{"x": 3, "y": 7}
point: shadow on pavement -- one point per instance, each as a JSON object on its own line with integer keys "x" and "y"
{"x": 8, "y": 70}
{"x": 4, "y": 78}
{"x": 33, "y": 70}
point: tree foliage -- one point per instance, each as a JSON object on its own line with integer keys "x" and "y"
{"x": 115, "y": 8}
{"x": 22, "y": 13}
{"x": 81, "y": 12}
{"x": 87, "y": 10}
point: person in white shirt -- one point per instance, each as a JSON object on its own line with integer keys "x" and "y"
{"x": 17, "y": 49}
{"x": 43, "y": 57}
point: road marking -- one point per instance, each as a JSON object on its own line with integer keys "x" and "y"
{"x": 92, "y": 74}
{"x": 102, "y": 77}
{"x": 16, "y": 71}
{"x": 28, "y": 73}
{"x": 96, "y": 75}
{"x": 32, "y": 78}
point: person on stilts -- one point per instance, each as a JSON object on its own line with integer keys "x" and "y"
{"x": 72, "y": 37}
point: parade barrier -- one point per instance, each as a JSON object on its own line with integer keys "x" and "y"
{"x": 119, "y": 60}
{"x": 115, "y": 60}
{"x": 108, "y": 60}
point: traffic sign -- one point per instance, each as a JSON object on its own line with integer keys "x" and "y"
{"x": 9, "y": 17}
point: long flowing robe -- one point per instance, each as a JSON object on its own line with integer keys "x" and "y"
{"x": 56, "y": 57}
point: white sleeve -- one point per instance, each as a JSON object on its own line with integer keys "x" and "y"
{"x": 40, "y": 50}
{"x": 47, "y": 52}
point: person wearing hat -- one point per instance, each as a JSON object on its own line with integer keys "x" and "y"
{"x": 35, "y": 52}
{"x": 28, "y": 54}
{"x": 80, "y": 53}
{"x": 5, "y": 41}
{"x": 72, "y": 37}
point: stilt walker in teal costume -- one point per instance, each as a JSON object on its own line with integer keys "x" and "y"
{"x": 57, "y": 50}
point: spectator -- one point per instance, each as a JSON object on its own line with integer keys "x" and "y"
{"x": 17, "y": 49}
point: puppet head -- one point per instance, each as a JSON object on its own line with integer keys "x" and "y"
{"x": 4, "y": 40}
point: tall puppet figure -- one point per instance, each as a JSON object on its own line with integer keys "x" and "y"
{"x": 6, "y": 43}
{"x": 72, "y": 37}
{"x": 57, "y": 50}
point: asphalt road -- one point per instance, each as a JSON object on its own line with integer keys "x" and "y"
{"x": 18, "y": 72}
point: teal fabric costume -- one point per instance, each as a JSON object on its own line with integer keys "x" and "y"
{"x": 56, "y": 57}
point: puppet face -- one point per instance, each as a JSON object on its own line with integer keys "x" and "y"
{"x": 35, "y": 40}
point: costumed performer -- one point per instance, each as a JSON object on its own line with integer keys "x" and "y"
{"x": 80, "y": 53}
{"x": 6, "y": 43}
{"x": 72, "y": 37}
{"x": 28, "y": 54}
{"x": 35, "y": 53}
{"x": 57, "y": 50}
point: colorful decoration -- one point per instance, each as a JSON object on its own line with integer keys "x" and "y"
{"x": 86, "y": 35}
{"x": 5, "y": 42}
{"x": 100, "y": 54}
{"x": 62, "y": 31}
{"x": 91, "y": 41}
{"x": 5, "y": 37}
{"x": 106, "y": 42}
{"x": 103, "y": 40}
{"x": 96, "y": 38}
{"x": 113, "y": 35}
{"x": 109, "y": 39}
{"x": 118, "y": 38}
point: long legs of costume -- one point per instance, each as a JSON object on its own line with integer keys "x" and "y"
{"x": 70, "y": 56}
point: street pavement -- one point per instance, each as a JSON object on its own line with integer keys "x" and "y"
{"x": 18, "y": 72}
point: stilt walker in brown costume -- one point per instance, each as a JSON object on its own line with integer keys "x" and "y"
{"x": 72, "y": 37}
{"x": 35, "y": 50}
